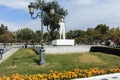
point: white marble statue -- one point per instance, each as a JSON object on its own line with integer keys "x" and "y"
{"x": 62, "y": 29}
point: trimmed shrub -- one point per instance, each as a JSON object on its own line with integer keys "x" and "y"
{"x": 107, "y": 50}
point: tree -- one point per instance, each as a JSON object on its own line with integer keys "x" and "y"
{"x": 78, "y": 35}
{"x": 102, "y": 30}
{"x": 24, "y": 34}
{"x": 114, "y": 34}
{"x": 52, "y": 20}
{"x": 91, "y": 35}
{"x": 75, "y": 33}
{"x": 3, "y": 29}
{"x": 5, "y": 35}
{"x": 38, "y": 35}
{"x": 46, "y": 37}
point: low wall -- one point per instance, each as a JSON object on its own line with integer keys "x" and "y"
{"x": 64, "y": 49}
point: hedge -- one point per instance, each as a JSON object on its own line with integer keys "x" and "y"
{"x": 107, "y": 50}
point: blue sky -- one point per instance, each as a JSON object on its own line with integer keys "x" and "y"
{"x": 83, "y": 14}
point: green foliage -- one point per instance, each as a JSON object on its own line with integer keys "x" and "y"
{"x": 92, "y": 36}
{"x": 95, "y": 35}
{"x": 114, "y": 33}
{"x": 106, "y": 50}
{"x": 37, "y": 36}
{"x": 78, "y": 35}
{"x": 102, "y": 29}
{"x": 24, "y": 34}
{"x": 3, "y": 29}
{"x": 46, "y": 37}
{"x": 52, "y": 20}
{"x": 5, "y": 35}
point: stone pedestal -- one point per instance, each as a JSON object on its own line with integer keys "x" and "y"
{"x": 63, "y": 42}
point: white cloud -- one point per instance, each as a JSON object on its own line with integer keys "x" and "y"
{"x": 82, "y": 13}
{"x": 89, "y": 13}
{"x": 16, "y": 4}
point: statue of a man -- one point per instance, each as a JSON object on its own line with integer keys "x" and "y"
{"x": 62, "y": 29}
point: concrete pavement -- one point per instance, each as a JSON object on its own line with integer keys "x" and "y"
{"x": 115, "y": 76}
{"x": 8, "y": 54}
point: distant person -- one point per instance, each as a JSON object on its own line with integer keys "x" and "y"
{"x": 25, "y": 45}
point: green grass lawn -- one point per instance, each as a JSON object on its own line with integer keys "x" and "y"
{"x": 26, "y": 62}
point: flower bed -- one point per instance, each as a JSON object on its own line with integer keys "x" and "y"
{"x": 54, "y": 75}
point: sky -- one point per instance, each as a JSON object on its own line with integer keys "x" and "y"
{"x": 82, "y": 14}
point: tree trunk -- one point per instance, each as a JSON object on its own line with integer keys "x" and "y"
{"x": 53, "y": 32}
{"x": 53, "y": 37}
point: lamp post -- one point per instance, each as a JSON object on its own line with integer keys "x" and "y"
{"x": 39, "y": 5}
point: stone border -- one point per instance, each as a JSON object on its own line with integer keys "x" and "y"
{"x": 115, "y": 76}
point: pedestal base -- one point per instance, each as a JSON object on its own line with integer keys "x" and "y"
{"x": 61, "y": 42}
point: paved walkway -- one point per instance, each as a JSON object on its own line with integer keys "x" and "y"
{"x": 8, "y": 54}
{"x": 115, "y": 76}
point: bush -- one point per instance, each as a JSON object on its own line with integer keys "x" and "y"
{"x": 107, "y": 50}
